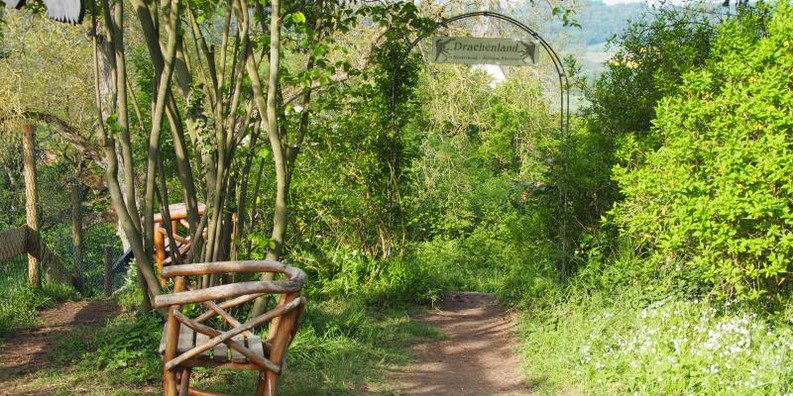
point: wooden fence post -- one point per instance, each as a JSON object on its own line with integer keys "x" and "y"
{"x": 108, "y": 268}
{"x": 31, "y": 196}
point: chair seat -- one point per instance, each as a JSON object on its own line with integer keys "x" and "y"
{"x": 220, "y": 354}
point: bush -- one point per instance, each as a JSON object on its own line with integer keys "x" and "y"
{"x": 129, "y": 349}
{"x": 715, "y": 199}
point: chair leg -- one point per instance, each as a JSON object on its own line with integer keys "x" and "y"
{"x": 272, "y": 383}
{"x": 184, "y": 382}
{"x": 262, "y": 389}
{"x": 169, "y": 383}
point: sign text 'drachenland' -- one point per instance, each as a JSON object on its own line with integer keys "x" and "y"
{"x": 475, "y": 50}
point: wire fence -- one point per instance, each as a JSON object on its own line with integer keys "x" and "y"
{"x": 104, "y": 268}
{"x": 13, "y": 273}
{"x": 54, "y": 230}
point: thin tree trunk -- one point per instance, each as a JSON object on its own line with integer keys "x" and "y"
{"x": 146, "y": 277}
{"x": 280, "y": 215}
{"x": 158, "y": 113}
{"x": 31, "y": 196}
{"x": 242, "y": 200}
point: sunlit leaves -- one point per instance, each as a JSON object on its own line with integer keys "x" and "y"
{"x": 717, "y": 193}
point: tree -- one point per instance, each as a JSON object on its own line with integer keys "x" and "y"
{"x": 213, "y": 97}
{"x": 652, "y": 56}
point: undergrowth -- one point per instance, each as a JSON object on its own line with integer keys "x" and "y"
{"x": 618, "y": 342}
{"x": 342, "y": 347}
{"x": 20, "y": 304}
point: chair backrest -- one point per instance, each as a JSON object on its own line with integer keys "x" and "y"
{"x": 238, "y": 337}
{"x": 164, "y": 231}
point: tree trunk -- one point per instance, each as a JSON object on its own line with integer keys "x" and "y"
{"x": 31, "y": 196}
{"x": 280, "y": 215}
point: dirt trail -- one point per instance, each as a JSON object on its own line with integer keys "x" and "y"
{"x": 29, "y": 351}
{"x": 476, "y": 359}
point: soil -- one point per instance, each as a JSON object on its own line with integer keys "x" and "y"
{"x": 477, "y": 357}
{"x": 30, "y": 351}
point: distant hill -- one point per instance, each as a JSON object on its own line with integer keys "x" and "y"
{"x": 599, "y": 23}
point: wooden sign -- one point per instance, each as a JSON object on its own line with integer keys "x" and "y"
{"x": 476, "y": 50}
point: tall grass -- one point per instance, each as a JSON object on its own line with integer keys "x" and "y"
{"x": 19, "y": 303}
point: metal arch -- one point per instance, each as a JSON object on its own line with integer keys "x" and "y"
{"x": 564, "y": 103}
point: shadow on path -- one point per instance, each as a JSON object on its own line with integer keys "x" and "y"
{"x": 476, "y": 359}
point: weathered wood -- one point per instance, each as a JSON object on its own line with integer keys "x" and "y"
{"x": 204, "y": 344}
{"x": 196, "y": 392}
{"x": 183, "y": 250}
{"x": 228, "y": 304}
{"x": 159, "y": 253}
{"x": 184, "y": 382}
{"x": 187, "y": 339}
{"x": 222, "y": 337}
{"x": 221, "y": 352}
{"x": 15, "y": 242}
{"x": 256, "y": 346}
{"x": 199, "y": 345}
{"x": 202, "y": 339}
{"x": 178, "y": 211}
{"x": 23, "y": 240}
{"x": 227, "y": 291}
{"x": 225, "y": 315}
{"x": 172, "y": 329}
{"x": 77, "y": 233}
{"x": 52, "y": 267}
{"x": 236, "y": 356}
{"x": 285, "y": 331}
{"x": 236, "y": 267}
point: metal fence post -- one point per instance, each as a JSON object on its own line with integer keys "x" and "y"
{"x": 108, "y": 268}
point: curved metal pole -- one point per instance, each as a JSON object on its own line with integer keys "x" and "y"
{"x": 564, "y": 103}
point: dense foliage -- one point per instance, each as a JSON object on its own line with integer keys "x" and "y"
{"x": 682, "y": 286}
{"x": 714, "y": 199}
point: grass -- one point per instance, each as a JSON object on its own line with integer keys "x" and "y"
{"x": 619, "y": 343}
{"x": 341, "y": 348}
{"x": 20, "y": 303}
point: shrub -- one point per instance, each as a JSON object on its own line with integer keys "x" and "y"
{"x": 129, "y": 349}
{"x": 715, "y": 199}
{"x": 20, "y": 304}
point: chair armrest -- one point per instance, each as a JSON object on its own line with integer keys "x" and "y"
{"x": 234, "y": 267}
{"x": 228, "y": 291}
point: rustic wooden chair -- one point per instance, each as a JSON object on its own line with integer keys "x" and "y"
{"x": 189, "y": 343}
{"x": 162, "y": 247}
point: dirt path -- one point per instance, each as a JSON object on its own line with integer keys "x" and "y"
{"x": 30, "y": 351}
{"x": 476, "y": 359}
